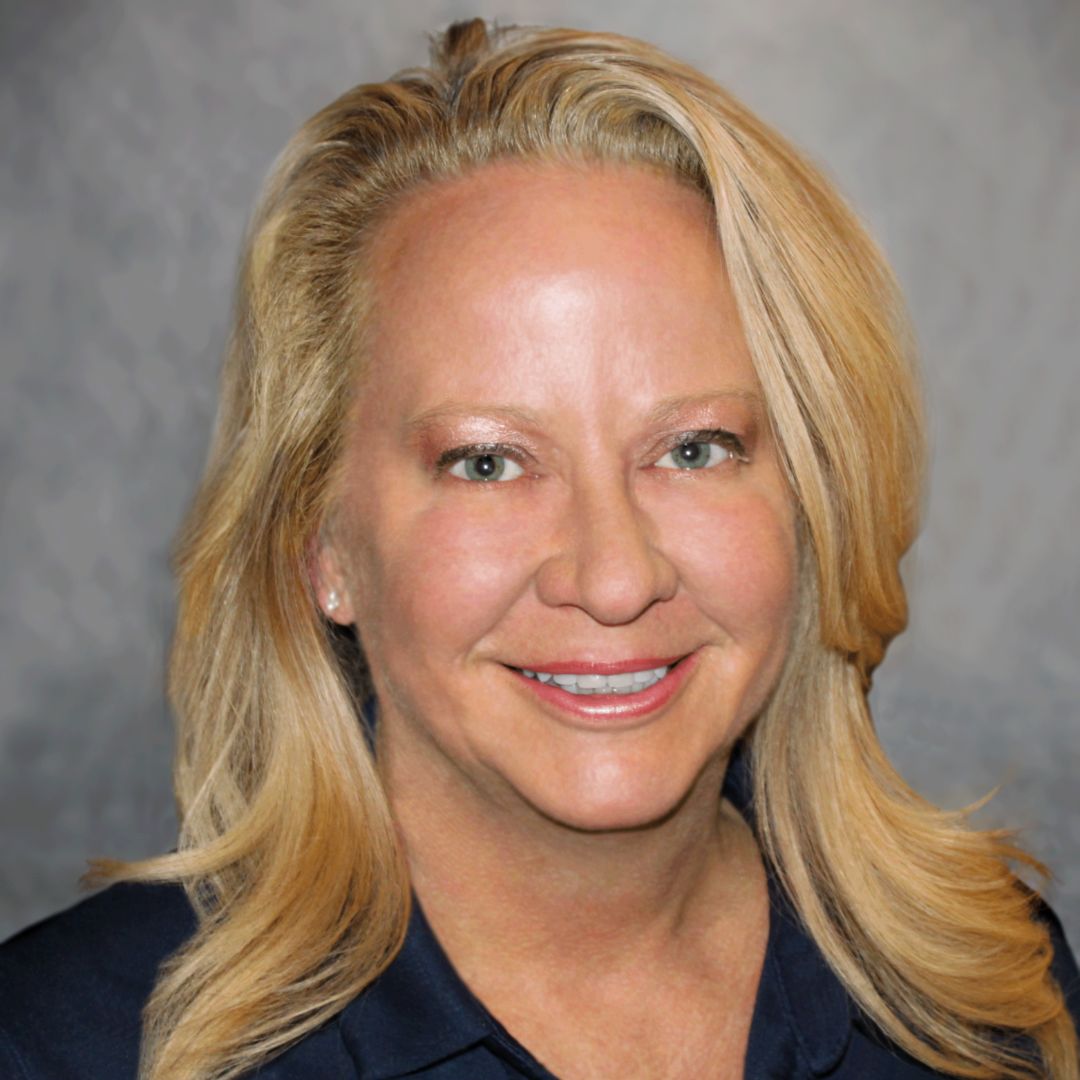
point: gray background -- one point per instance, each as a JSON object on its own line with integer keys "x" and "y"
{"x": 134, "y": 136}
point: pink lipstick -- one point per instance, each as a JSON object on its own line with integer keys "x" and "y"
{"x": 604, "y": 694}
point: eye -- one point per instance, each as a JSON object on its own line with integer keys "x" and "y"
{"x": 486, "y": 467}
{"x": 695, "y": 454}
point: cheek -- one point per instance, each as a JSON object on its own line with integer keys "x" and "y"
{"x": 738, "y": 562}
{"x": 445, "y": 575}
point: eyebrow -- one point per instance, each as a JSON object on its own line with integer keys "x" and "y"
{"x": 667, "y": 408}
{"x": 664, "y": 410}
{"x": 506, "y": 414}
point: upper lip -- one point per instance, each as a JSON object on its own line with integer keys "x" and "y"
{"x": 600, "y": 667}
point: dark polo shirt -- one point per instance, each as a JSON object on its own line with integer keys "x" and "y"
{"x": 72, "y": 989}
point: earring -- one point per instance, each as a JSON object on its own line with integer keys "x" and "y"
{"x": 333, "y": 601}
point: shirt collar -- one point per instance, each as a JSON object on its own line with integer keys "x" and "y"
{"x": 798, "y": 989}
{"x": 805, "y": 988}
{"x": 419, "y": 1011}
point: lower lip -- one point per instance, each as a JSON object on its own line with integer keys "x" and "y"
{"x": 613, "y": 710}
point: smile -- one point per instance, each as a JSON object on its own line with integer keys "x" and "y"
{"x": 607, "y": 694}
{"x": 629, "y": 682}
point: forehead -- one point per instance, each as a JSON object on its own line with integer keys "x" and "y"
{"x": 538, "y": 217}
{"x": 539, "y": 263}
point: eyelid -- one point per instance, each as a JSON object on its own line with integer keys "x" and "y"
{"x": 460, "y": 453}
{"x": 727, "y": 439}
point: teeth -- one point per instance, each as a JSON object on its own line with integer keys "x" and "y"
{"x": 630, "y": 682}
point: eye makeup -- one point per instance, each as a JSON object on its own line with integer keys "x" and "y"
{"x": 736, "y": 433}
{"x": 459, "y": 453}
{"x": 721, "y": 436}
{"x": 732, "y": 418}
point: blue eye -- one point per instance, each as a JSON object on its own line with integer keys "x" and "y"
{"x": 486, "y": 468}
{"x": 695, "y": 455}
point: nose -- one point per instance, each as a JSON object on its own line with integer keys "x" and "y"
{"x": 606, "y": 558}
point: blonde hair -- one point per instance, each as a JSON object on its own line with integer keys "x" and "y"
{"x": 287, "y": 848}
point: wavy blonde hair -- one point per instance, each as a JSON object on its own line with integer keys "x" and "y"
{"x": 287, "y": 848}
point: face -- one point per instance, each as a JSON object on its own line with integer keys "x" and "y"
{"x": 563, "y": 532}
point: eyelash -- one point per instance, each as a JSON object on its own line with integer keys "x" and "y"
{"x": 727, "y": 439}
{"x": 460, "y": 453}
{"x": 722, "y": 437}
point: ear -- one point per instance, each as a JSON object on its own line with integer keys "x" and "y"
{"x": 329, "y": 582}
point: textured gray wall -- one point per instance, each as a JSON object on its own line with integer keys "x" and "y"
{"x": 134, "y": 138}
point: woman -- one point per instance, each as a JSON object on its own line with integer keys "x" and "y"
{"x": 583, "y": 398}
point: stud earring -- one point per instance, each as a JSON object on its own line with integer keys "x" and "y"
{"x": 333, "y": 601}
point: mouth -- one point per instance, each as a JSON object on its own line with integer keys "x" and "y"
{"x": 584, "y": 680}
{"x": 607, "y": 695}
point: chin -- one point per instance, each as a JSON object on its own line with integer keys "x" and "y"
{"x": 621, "y": 807}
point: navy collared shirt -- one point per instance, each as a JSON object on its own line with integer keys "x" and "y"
{"x": 72, "y": 989}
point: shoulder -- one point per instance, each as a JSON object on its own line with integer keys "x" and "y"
{"x": 1064, "y": 964}
{"x": 872, "y": 1054}
{"x": 72, "y": 988}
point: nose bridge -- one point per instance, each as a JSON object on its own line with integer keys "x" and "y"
{"x": 607, "y": 560}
